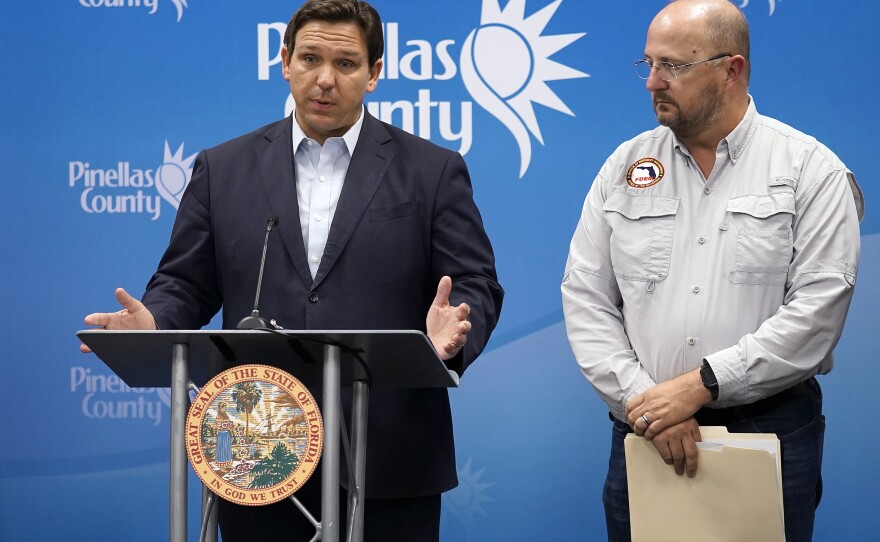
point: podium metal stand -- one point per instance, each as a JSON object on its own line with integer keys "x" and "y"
{"x": 365, "y": 358}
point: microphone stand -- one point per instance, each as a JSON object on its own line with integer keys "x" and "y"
{"x": 255, "y": 321}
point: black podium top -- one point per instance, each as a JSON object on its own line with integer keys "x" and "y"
{"x": 392, "y": 358}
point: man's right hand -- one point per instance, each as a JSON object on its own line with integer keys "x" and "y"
{"x": 677, "y": 446}
{"x": 134, "y": 315}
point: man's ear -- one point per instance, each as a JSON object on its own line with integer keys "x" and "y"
{"x": 737, "y": 68}
{"x": 375, "y": 70}
{"x": 285, "y": 63}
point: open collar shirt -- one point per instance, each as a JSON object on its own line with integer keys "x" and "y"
{"x": 320, "y": 174}
{"x": 751, "y": 268}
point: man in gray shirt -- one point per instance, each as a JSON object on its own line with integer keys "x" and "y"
{"x": 713, "y": 266}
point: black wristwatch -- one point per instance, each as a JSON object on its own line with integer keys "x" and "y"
{"x": 709, "y": 380}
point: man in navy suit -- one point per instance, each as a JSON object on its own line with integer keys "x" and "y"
{"x": 377, "y": 229}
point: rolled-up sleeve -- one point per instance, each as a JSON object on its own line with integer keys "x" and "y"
{"x": 797, "y": 341}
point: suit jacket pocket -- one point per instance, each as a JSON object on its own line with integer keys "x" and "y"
{"x": 390, "y": 212}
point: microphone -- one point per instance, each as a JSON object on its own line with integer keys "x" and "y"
{"x": 255, "y": 321}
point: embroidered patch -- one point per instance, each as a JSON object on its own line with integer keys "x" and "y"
{"x": 644, "y": 172}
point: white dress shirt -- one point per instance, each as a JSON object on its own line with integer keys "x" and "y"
{"x": 320, "y": 173}
{"x": 751, "y": 268}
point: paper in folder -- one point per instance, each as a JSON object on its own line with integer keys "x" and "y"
{"x": 736, "y": 494}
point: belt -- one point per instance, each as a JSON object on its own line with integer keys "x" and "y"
{"x": 766, "y": 404}
{"x": 769, "y": 403}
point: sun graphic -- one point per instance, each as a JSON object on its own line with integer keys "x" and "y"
{"x": 505, "y": 65}
{"x": 180, "y": 5}
{"x": 174, "y": 174}
{"x": 771, "y": 2}
{"x": 466, "y": 501}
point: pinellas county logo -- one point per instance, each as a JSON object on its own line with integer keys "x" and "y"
{"x": 504, "y": 63}
{"x": 151, "y": 5}
{"x": 505, "y": 66}
{"x": 124, "y": 189}
{"x": 254, "y": 435}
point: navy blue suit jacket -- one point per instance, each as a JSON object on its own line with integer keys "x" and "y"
{"x": 405, "y": 218}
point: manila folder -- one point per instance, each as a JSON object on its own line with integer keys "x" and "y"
{"x": 736, "y": 494}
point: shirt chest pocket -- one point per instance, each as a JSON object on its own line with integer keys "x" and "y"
{"x": 759, "y": 241}
{"x": 642, "y": 231}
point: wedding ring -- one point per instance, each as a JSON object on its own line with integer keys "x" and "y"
{"x": 646, "y": 420}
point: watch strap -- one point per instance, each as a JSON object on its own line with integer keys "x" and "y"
{"x": 709, "y": 380}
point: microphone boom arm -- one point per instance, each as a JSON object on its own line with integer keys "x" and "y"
{"x": 255, "y": 321}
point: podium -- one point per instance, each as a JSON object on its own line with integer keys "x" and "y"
{"x": 144, "y": 359}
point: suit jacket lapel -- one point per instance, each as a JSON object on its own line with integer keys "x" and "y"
{"x": 279, "y": 178}
{"x": 365, "y": 172}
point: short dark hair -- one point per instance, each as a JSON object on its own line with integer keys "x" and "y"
{"x": 340, "y": 11}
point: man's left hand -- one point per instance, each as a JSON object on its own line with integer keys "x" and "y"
{"x": 677, "y": 446}
{"x": 667, "y": 404}
{"x": 447, "y": 326}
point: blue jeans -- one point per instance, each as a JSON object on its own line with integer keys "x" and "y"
{"x": 795, "y": 416}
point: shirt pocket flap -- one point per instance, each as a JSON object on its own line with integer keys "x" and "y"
{"x": 636, "y": 207}
{"x": 762, "y": 206}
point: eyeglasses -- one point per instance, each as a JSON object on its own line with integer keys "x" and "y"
{"x": 667, "y": 70}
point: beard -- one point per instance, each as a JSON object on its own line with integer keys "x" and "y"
{"x": 685, "y": 124}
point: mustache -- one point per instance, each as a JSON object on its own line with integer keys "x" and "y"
{"x": 660, "y": 96}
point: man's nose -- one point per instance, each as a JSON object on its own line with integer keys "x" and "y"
{"x": 326, "y": 77}
{"x": 655, "y": 82}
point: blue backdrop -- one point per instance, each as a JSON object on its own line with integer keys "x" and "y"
{"x": 107, "y": 101}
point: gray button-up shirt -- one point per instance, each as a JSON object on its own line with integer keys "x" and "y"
{"x": 751, "y": 268}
